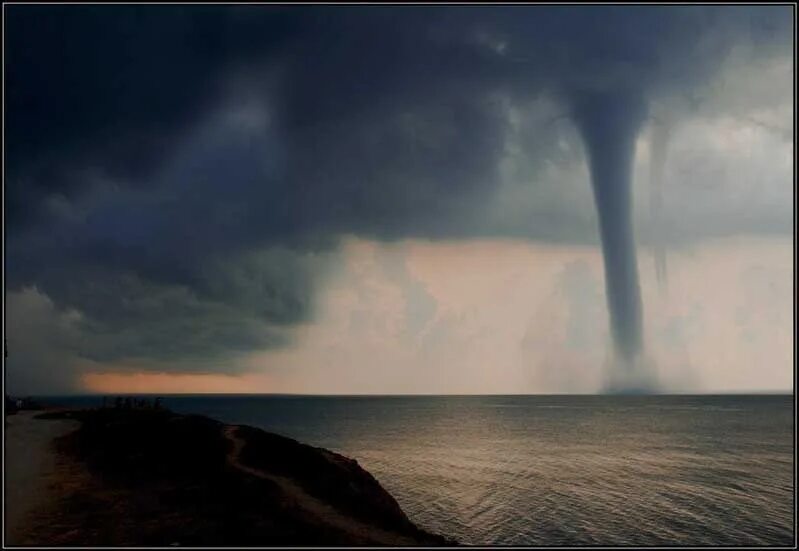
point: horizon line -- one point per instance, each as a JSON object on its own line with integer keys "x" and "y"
{"x": 772, "y": 392}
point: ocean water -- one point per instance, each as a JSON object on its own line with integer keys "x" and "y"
{"x": 558, "y": 470}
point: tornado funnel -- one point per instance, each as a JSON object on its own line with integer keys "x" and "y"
{"x": 660, "y": 139}
{"x": 609, "y": 123}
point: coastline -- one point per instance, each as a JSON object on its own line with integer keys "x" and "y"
{"x": 153, "y": 477}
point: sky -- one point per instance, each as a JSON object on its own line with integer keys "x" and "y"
{"x": 369, "y": 199}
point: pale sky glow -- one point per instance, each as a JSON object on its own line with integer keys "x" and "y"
{"x": 516, "y": 317}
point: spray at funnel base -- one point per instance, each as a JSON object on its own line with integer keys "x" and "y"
{"x": 609, "y": 122}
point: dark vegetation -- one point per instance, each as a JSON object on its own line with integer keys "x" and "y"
{"x": 152, "y": 477}
{"x": 326, "y": 475}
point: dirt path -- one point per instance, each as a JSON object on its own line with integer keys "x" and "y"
{"x": 30, "y": 465}
{"x": 312, "y": 506}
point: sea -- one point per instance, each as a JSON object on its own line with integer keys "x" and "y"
{"x": 555, "y": 470}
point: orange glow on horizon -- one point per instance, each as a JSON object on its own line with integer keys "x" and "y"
{"x": 172, "y": 383}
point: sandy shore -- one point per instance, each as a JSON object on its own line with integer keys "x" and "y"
{"x": 30, "y": 467}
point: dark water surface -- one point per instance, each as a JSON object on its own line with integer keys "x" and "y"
{"x": 553, "y": 470}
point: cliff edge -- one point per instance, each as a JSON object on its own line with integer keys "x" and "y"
{"x": 151, "y": 477}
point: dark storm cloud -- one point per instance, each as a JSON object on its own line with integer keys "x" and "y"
{"x": 112, "y": 87}
{"x": 177, "y": 173}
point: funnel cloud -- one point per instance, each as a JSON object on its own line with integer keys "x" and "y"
{"x": 659, "y": 148}
{"x": 609, "y": 123}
